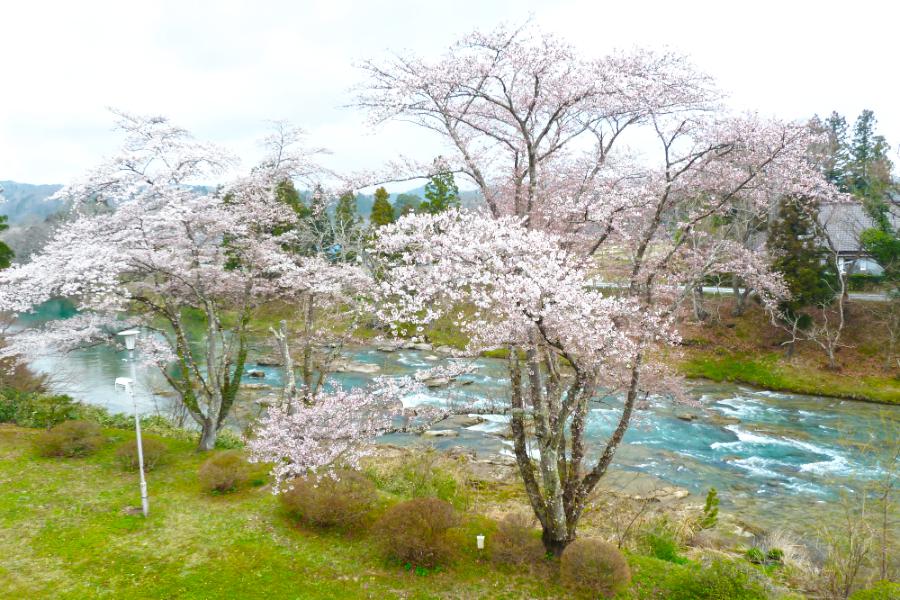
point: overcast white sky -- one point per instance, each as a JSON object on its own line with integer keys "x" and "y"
{"x": 222, "y": 69}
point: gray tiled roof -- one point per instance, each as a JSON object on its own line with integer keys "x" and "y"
{"x": 845, "y": 221}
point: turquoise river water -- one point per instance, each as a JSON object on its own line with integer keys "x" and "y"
{"x": 768, "y": 451}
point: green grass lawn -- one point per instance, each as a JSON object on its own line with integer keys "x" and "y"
{"x": 63, "y": 534}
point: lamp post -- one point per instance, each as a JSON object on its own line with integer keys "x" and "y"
{"x": 130, "y": 338}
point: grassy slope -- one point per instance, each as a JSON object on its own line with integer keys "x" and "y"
{"x": 749, "y": 350}
{"x": 63, "y": 534}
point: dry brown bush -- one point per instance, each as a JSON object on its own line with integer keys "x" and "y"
{"x": 224, "y": 472}
{"x": 418, "y": 532}
{"x": 344, "y": 500}
{"x": 594, "y": 567}
{"x": 70, "y": 439}
{"x": 514, "y": 543}
{"x": 154, "y": 449}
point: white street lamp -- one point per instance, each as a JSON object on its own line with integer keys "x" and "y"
{"x": 130, "y": 338}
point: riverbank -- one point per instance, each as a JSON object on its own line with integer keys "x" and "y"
{"x": 750, "y": 349}
{"x": 771, "y": 372}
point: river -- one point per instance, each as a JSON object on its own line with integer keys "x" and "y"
{"x": 771, "y": 454}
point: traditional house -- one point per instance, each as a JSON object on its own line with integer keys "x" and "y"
{"x": 844, "y": 222}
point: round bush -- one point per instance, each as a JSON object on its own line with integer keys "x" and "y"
{"x": 155, "y": 451}
{"x": 70, "y": 439}
{"x": 343, "y": 500}
{"x": 418, "y": 532}
{"x": 224, "y": 472}
{"x": 594, "y": 567}
{"x": 514, "y": 542}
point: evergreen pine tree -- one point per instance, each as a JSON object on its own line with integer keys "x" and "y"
{"x": 287, "y": 193}
{"x": 837, "y": 152}
{"x": 800, "y": 257}
{"x": 406, "y": 203}
{"x": 318, "y": 224}
{"x": 869, "y": 169}
{"x": 440, "y": 193}
{"x": 346, "y": 226}
{"x": 6, "y": 253}
{"x": 382, "y": 211}
{"x": 345, "y": 217}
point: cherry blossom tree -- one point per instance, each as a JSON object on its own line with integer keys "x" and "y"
{"x": 565, "y": 341}
{"x": 541, "y": 131}
{"x": 327, "y": 313}
{"x": 336, "y": 427}
{"x": 163, "y": 250}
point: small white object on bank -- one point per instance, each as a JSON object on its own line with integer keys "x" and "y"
{"x": 479, "y": 542}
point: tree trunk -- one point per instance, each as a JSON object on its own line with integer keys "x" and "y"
{"x": 555, "y": 546}
{"x": 832, "y": 360}
{"x": 289, "y": 385}
{"x": 700, "y": 313}
{"x": 740, "y": 297}
{"x": 208, "y": 434}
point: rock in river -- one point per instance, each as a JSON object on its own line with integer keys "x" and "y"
{"x": 435, "y": 382}
{"x": 441, "y": 433}
{"x": 354, "y": 367}
{"x": 417, "y": 346}
{"x": 457, "y": 421}
{"x": 269, "y": 361}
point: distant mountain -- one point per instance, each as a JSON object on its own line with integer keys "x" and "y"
{"x": 27, "y": 204}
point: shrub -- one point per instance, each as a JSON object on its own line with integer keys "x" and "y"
{"x": 722, "y": 580}
{"x": 224, "y": 472}
{"x": 228, "y": 440}
{"x": 594, "y": 567}
{"x": 420, "y": 476}
{"x": 155, "y": 451}
{"x": 882, "y": 590}
{"x": 17, "y": 376}
{"x": 70, "y": 439}
{"x": 775, "y": 556}
{"x": 514, "y": 542}
{"x": 661, "y": 543}
{"x": 755, "y": 555}
{"x": 710, "y": 510}
{"x": 418, "y": 532}
{"x": 860, "y": 282}
{"x": 36, "y": 410}
{"x": 340, "y": 501}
